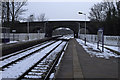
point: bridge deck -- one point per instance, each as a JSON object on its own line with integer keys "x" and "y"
{"x": 76, "y": 63}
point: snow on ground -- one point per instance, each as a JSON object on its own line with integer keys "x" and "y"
{"x": 51, "y": 76}
{"x": 24, "y": 50}
{"x": 0, "y": 75}
{"x": 18, "y": 69}
{"x": 13, "y": 58}
{"x": 58, "y": 49}
{"x": 113, "y": 48}
{"x": 20, "y": 41}
{"x": 47, "y": 61}
{"x": 67, "y": 36}
{"x": 12, "y": 42}
{"x": 53, "y": 54}
{"x": 91, "y": 48}
{"x": 61, "y": 55}
{"x": 9, "y": 42}
{"x": 0, "y": 70}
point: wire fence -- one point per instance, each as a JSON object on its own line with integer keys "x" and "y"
{"x": 25, "y": 36}
{"x": 108, "y": 40}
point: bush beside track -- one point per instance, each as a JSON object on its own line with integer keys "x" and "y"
{"x": 10, "y": 48}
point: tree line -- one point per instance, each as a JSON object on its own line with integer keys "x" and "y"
{"x": 12, "y": 12}
{"x": 40, "y": 17}
{"x": 106, "y": 15}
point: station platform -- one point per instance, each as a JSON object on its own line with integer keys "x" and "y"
{"x": 77, "y": 64}
{"x": 20, "y": 45}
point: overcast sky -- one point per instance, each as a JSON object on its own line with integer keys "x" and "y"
{"x": 60, "y": 9}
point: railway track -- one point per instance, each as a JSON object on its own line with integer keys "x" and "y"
{"x": 13, "y": 54}
{"x": 20, "y": 55}
{"x": 36, "y": 62}
{"x": 43, "y": 68}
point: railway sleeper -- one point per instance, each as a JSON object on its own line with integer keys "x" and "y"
{"x": 42, "y": 69}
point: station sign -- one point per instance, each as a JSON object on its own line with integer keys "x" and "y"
{"x": 100, "y": 38}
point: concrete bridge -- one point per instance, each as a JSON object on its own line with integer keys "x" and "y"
{"x": 47, "y": 27}
{"x": 52, "y": 25}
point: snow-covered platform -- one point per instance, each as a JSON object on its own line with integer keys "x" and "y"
{"x": 86, "y": 62}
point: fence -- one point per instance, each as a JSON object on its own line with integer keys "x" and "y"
{"x": 25, "y": 36}
{"x": 108, "y": 40}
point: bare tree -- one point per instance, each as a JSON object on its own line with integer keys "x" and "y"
{"x": 0, "y": 6}
{"x": 105, "y": 15}
{"x": 42, "y": 17}
{"x": 100, "y": 11}
{"x": 118, "y": 15}
{"x": 0, "y": 13}
{"x": 97, "y": 12}
{"x": 12, "y": 11}
{"x": 16, "y": 9}
{"x": 4, "y": 12}
{"x": 31, "y": 18}
{"x": 118, "y": 8}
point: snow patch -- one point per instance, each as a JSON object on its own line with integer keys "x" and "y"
{"x": 12, "y": 42}
{"x": 21, "y": 67}
{"x": 113, "y": 48}
{"x": 52, "y": 76}
{"x": 91, "y": 48}
{"x": 67, "y": 37}
{"x": 0, "y": 75}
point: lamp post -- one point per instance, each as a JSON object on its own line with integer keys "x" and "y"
{"x": 85, "y": 26}
{"x": 28, "y": 29}
{"x": 79, "y": 30}
{"x": 38, "y": 33}
{"x": 30, "y": 19}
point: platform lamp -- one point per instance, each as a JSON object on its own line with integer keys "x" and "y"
{"x": 28, "y": 24}
{"x": 85, "y": 25}
{"x": 28, "y": 29}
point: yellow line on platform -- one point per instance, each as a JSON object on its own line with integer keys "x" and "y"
{"x": 77, "y": 72}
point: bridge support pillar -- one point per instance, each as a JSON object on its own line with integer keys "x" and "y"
{"x": 48, "y": 32}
